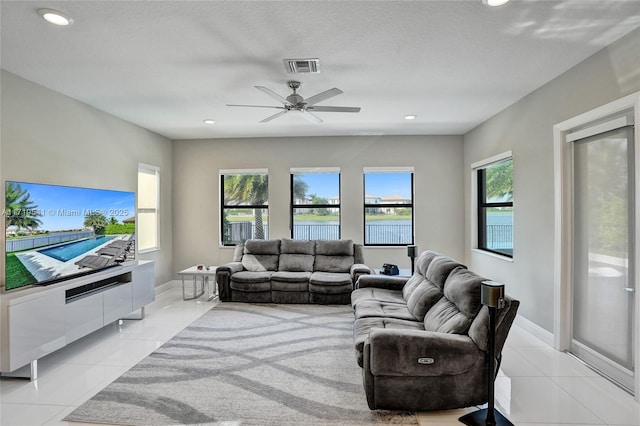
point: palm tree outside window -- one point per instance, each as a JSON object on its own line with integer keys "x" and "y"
{"x": 245, "y": 206}
{"x": 495, "y": 207}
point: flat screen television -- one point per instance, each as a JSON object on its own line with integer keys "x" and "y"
{"x": 54, "y": 233}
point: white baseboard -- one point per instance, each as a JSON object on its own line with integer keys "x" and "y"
{"x": 535, "y": 329}
{"x": 166, "y": 286}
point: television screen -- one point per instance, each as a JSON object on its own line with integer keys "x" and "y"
{"x": 58, "y": 232}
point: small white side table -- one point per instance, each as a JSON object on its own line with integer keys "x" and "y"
{"x": 204, "y": 275}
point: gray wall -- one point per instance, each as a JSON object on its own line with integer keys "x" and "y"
{"x": 526, "y": 128}
{"x": 438, "y": 188}
{"x": 50, "y": 138}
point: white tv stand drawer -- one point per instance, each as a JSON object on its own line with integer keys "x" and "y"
{"x": 38, "y": 320}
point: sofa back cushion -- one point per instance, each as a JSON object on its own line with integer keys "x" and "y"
{"x": 261, "y": 255}
{"x": 421, "y": 265}
{"x": 455, "y": 312}
{"x": 296, "y": 255}
{"x": 334, "y": 256}
{"x": 431, "y": 289}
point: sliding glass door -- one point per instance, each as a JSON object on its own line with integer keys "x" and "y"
{"x": 603, "y": 253}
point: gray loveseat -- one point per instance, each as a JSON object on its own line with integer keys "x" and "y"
{"x": 292, "y": 271}
{"x": 422, "y": 341}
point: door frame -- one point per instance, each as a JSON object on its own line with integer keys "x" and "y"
{"x": 563, "y": 229}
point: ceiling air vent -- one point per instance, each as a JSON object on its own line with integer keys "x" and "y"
{"x": 302, "y": 66}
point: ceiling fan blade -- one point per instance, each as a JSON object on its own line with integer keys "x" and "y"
{"x": 311, "y": 117}
{"x": 273, "y": 95}
{"x": 256, "y": 106}
{"x": 274, "y": 116}
{"x": 334, "y": 109}
{"x": 322, "y": 96}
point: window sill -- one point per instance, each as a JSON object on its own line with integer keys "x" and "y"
{"x": 495, "y": 255}
{"x": 149, "y": 250}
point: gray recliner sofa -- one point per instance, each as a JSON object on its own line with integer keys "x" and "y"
{"x": 292, "y": 271}
{"x": 423, "y": 341}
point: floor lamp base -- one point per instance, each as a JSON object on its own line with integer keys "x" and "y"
{"x": 479, "y": 418}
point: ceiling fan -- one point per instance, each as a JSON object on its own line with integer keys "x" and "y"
{"x": 295, "y": 102}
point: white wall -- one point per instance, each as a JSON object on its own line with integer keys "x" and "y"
{"x": 50, "y": 138}
{"x": 526, "y": 129}
{"x": 438, "y": 188}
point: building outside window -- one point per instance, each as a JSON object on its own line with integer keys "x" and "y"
{"x": 495, "y": 205}
{"x": 148, "y": 226}
{"x": 315, "y": 204}
{"x": 245, "y": 205}
{"x": 388, "y": 206}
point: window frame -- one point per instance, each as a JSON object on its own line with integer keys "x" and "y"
{"x": 251, "y": 207}
{"x": 382, "y": 170}
{"x": 155, "y": 171}
{"x": 481, "y": 205}
{"x": 293, "y": 205}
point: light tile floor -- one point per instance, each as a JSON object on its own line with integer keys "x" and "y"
{"x": 536, "y": 385}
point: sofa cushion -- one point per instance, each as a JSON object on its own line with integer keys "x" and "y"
{"x": 334, "y": 264}
{"x": 422, "y": 263}
{"x": 251, "y": 277}
{"x": 296, "y": 262}
{"x": 335, "y": 247}
{"x": 380, "y": 294}
{"x": 330, "y": 279}
{"x": 262, "y": 247}
{"x": 290, "y": 277}
{"x": 291, "y": 246}
{"x": 362, "y": 327}
{"x": 261, "y": 255}
{"x": 461, "y": 303}
{"x": 260, "y": 262}
{"x": 290, "y": 281}
{"x": 430, "y": 290}
{"x": 328, "y": 283}
{"x": 251, "y": 282}
{"x": 374, "y": 308}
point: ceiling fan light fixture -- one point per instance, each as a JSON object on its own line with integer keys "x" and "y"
{"x": 55, "y": 17}
{"x": 494, "y": 3}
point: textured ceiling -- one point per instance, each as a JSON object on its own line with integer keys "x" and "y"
{"x": 167, "y": 65}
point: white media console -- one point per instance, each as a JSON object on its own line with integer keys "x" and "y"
{"x": 39, "y": 320}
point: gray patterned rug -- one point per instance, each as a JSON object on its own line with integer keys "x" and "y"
{"x": 247, "y": 364}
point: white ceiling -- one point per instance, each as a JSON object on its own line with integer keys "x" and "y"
{"x": 167, "y": 65}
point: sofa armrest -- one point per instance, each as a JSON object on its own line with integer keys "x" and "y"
{"x": 403, "y": 352}
{"x": 390, "y": 282}
{"x": 357, "y": 270}
{"x": 223, "y": 274}
{"x": 230, "y": 268}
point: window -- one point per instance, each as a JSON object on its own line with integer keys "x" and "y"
{"x": 495, "y": 205}
{"x": 388, "y": 206}
{"x": 148, "y": 226}
{"x": 245, "y": 210}
{"x": 315, "y": 204}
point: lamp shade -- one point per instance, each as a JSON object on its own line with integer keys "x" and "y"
{"x": 492, "y": 294}
{"x": 412, "y": 251}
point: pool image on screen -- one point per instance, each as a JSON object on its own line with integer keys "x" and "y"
{"x": 56, "y": 232}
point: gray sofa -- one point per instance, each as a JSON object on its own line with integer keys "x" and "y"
{"x": 292, "y": 271}
{"x": 422, "y": 341}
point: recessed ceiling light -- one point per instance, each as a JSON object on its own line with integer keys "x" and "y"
{"x": 55, "y": 17}
{"x": 494, "y": 3}
{"x": 410, "y": 117}
{"x": 209, "y": 121}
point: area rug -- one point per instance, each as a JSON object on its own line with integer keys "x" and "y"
{"x": 247, "y": 364}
